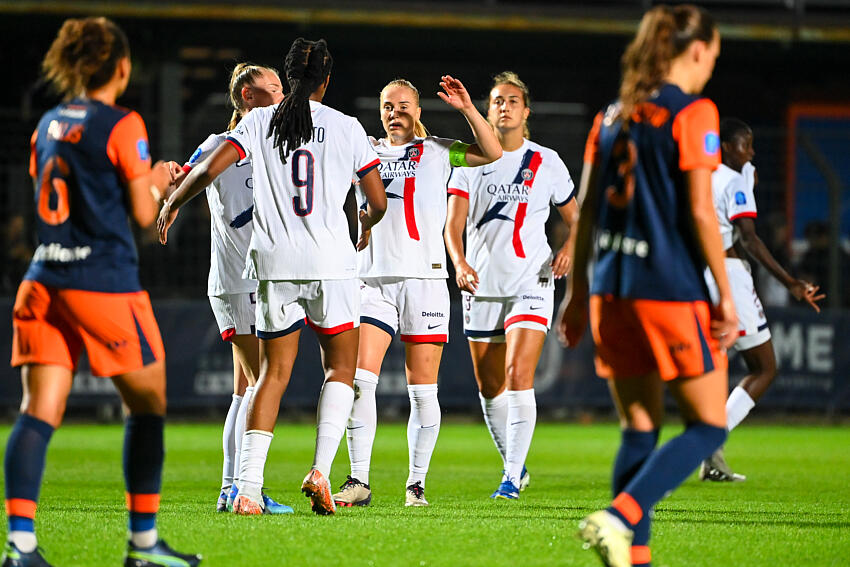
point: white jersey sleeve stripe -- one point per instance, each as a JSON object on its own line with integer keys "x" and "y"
{"x": 235, "y": 143}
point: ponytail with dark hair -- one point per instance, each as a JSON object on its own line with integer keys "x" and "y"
{"x": 664, "y": 33}
{"x": 84, "y": 55}
{"x": 306, "y": 67}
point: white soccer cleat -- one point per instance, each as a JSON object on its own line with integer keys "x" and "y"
{"x": 608, "y": 537}
{"x": 414, "y": 495}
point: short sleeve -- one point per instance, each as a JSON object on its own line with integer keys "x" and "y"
{"x": 203, "y": 151}
{"x": 695, "y": 129}
{"x": 33, "y": 155}
{"x": 591, "y": 148}
{"x": 127, "y": 147}
{"x": 563, "y": 188}
{"x": 241, "y": 136}
{"x": 365, "y": 157}
{"x": 740, "y": 199}
{"x": 459, "y": 182}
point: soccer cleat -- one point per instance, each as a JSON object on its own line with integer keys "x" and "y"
{"x": 274, "y": 508}
{"x": 318, "y": 489}
{"x": 13, "y": 557}
{"x": 353, "y": 493}
{"x": 715, "y": 469}
{"x": 524, "y": 479}
{"x": 159, "y": 555}
{"x": 221, "y": 505}
{"x": 506, "y": 491}
{"x": 414, "y": 495}
{"x": 244, "y": 505}
{"x": 231, "y": 496}
{"x": 608, "y": 537}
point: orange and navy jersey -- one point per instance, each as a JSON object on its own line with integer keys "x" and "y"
{"x": 83, "y": 155}
{"x": 645, "y": 244}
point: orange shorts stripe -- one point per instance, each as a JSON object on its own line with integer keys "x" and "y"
{"x": 51, "y": 326}
{"x": 143, "y": 503}
{"x": 628, "y": 507}
{"x": 635, "y": 337}
{"x": 21, "y": 507}
{"x": 641, "y": 555}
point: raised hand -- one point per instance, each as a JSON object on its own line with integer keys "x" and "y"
{"x": 454, "y": 94}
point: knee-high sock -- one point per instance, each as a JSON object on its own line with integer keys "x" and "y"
{"x": 335, "y": 404}
{"x": 23, "y": 468}
{"x": 239, "y": 428}
{"x": 228, "y": 443}
{"x": 738, "y": 406}
{"x": 362, "y": 424}
{"x": 423, "y": 427}
{"x": 635, "y": 449}
{"x": 496, "y": 417}
{"x": 666, "y": 469}
{"x": 255, "y": 450}
{"x": 144, "y": 453}
{"x": 522, "y": 417}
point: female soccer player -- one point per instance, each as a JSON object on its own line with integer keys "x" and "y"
{"x": 648, "y": 219}
{"x": 232, "y": 298}
{"x": 91, "y": 169}
{"x": 403, "y": 273}
{"x": 304, "y": 155}
{"x": 507, "y": 277}
{"x": 732, "y": 187}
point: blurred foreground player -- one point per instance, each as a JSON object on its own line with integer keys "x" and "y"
{"x": 647, "y": 218}
{"x": 733, "y": 185}
{"x": 91, "y": 167}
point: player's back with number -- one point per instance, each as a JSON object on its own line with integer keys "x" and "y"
{"x": 643, "y": 173}
{"x": 300, "y": 228}
{"x": 83, "y": 154}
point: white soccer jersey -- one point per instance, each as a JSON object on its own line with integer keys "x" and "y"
{"x": 733, "y": 198}
{"x": 408, "y": 242}
{"x": 300, "y": 229}
{"x": 231, "y": 202}
{"x": 508, "y": 206}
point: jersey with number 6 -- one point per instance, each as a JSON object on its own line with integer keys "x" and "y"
{"x": 408, "y": 242}
{"x": 509, "y": 203}
{"x": 83, "y": 155}
{"x": 231, "y": 201}
{"x": 733, "y": 199}
{"x": 300, "y": 229}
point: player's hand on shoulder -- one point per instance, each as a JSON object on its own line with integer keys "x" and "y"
{"x": 808, "y": 292}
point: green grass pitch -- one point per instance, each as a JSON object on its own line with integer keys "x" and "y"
{"x": 794, "y": 509}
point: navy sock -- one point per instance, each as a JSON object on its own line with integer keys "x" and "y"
{"x": 666, "y": 469}
{"x": 24, "y": 467}
{"x": 143, "y": 456}
{"x": 635, "y": 449}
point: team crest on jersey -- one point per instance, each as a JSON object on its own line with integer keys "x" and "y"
{"x": 413, "y": 153}
{"x": 740, "y": 198}
{"x": 527, "y": 174}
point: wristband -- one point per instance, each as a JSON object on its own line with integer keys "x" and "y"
{"x": 457, "y": 154}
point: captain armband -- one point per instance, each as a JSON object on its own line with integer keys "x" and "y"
{"x": 457, "y": 154}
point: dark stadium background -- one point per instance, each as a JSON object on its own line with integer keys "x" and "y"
{"x": 777, "y": 56}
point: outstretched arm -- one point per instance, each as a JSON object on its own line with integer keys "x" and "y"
{"x": 800, "y": 289}
{"x": 486, "y": 148}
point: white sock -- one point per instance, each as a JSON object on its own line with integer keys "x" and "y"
{"x": 24, "y": 541}
{"x": 738, "y": 406}
{"x": 362, "y": 424}
{"x": 239, "y": 430}
{"x": 423, "y": 427}
{"x": 255, "y": 450}
{"x": 496, "y": 417}
{"x": 335, "y": 404}
{"x": 145, "y": 539}
{"x": 522, "y": 416}
{"x": 228, "y": 443}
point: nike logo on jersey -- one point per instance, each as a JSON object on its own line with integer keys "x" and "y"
{"x": 243, "y": 163}
{"x": 535, "y": 307}
{"x": 483, "y": 173}
{"x": 434, "y": 326}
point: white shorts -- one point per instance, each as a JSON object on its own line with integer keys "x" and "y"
{"x": 488, "y": 319}
{"x": 234, "y": 313}
{"x": 752, "y": 324}
{"x": 417, "y": 308}
{"x": 329, "y": 306}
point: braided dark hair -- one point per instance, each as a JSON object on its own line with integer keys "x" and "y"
{"x": 306, "y": 67}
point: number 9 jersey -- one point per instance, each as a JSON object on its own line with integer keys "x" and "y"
{"x": 300, "y": 228}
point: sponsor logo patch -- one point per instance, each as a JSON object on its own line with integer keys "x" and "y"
{"x": 740, "y": 198}
{"x": 144, "y": 151}
{"x": 712, "y": 143}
